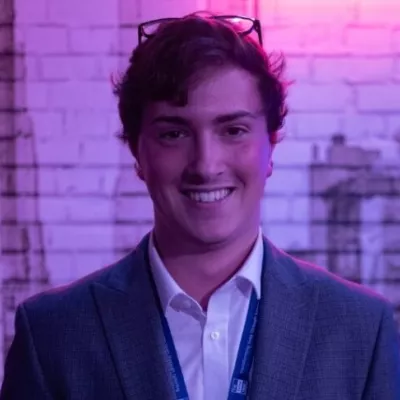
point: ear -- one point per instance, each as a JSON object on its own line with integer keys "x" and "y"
{"x": 270, "y": 162}
{"x": 270, "y": 168}
{"x": 139, "y": 171}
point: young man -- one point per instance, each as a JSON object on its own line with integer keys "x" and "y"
{"x": 205, "y": 307}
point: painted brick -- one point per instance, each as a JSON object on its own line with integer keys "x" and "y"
{"x": 114, "y": 129}
{"x": 127, "y": 182}
{"x": 27, "y": 67}
{"x": 100, "y": 152}
{"x": 362, "y": 125}
{"x": 323, "y": 39}
{"x": 127, "y": 159}
{"x": 298, "y": 68}
{"x": 110, "y": 181}
{"x": 23, "y": 149}
{"x": 355, "y": 69}
{"x": 318, "y": 209}
{"x": 78, "y": 237}
{"x": 275, "y": 209}
{"x": 90, "y": 209}
{"x": 93, "y": 40}
{"x": 84, "y": 263}
{"x": 393, "y": 129}
{"x": 76, "y": 209}
{"x": 378, "y": 12}
{"x": 32, "y": 95}
{"x": 293, "y": 152}
{"x": 6, "y": 123}
{"x": 153, "y": 9}
{"x": 288, "y": 235}
{"x": 128, "y": 40}
{"x": 24, "y": 237}
{"x": 6, "y": 95}
{"x": 363, "y": 40}
{"x": 268, "y": 12}
{"x": 87, "y": 123}
{"x": 23, "y": 209}
{"x": 382, "y": 146}
{"x": 44, "y": 40}
{"x": 322, "y": 97}
{"x": 55, "y": 151}
{"x": 378, "y": 98}
{"x": 134, "y": 209}
{"x": 317, "y": 125}
{"x": 8, "y": 71}
{"x": 299, "y": 209}
{"x": 30, "y": 12}
{"x": 110, "y": 65}
{"x": 126, "y": 236}
{"x": 395, "y": 41}
{"x": 46, "y": 181}
{"x": 129, "y": 12}
{"x": 53, "y": 209}
{"x": 6, "y": 15}
{"x": 289, "y": 129}
{"x": 61, "y": 268}
{"x": 311, "y": 12}
{"x": 64, "y": 68}
{"x": 24, "y": 181}
{"x": 47, "y": 124}
{"x": 129, "y": 235}
{"x": 74, "y": 95}
{"x": 7, "y": 151}
{"x": 76, "y": 13}
{"x": 288, "y": 180}
{"x": 286, "y": 39}
{"x": 235, "y": 7}
{"x": 65, "y": 182}
{"x": 396, "y": 74}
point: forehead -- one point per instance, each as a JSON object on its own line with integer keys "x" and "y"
{"x": 215, "y": 92}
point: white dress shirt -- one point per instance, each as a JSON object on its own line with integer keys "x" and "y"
{"x": 207, "y": 343}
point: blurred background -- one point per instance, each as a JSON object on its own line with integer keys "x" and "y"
{"x": 70, "y": 202}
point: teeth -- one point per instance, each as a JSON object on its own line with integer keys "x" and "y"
{"x": 209, "y": 197}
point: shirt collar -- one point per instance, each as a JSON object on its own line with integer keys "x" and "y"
{"x": 166, "y": 285}
{"x": 168, "y": 289}
{"x": 251, "y": 269}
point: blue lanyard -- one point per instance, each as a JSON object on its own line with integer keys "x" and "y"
{"x": 239, "y": 387}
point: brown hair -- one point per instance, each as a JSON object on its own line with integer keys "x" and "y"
{"x": 161, "y": 68}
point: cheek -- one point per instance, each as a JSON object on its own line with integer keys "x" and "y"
{"x": 160, "y": 166}
{"x": 253, "y": 160}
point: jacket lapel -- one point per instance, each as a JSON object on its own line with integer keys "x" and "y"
{"x": 286, "y": 318}
{"x": 128, "y": 310}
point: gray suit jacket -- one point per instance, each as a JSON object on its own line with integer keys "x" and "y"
{"x": 319, "y": 338}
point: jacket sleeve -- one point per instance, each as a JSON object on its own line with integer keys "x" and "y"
{"x": 383, "y": 381}
{"x": 23, "y": 375}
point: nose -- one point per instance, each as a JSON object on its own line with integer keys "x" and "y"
{"x": 206, "y": 158}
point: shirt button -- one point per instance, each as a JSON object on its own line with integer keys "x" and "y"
{"x": 214, "y": 335}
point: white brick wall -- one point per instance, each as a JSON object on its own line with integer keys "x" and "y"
{"x": 343, "y": 55}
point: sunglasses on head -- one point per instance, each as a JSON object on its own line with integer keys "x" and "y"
{"x": 245, "y": 26}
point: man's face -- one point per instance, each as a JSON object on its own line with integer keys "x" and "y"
{"x": 205, "y": 164}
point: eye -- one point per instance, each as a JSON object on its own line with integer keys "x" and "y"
{"x": 236, "y": 131}
{"x": 172, "y": 134}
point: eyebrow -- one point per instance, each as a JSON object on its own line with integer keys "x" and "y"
{"x": 220, "y": 119}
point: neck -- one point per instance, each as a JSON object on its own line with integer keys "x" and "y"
{"x": 201, "y": 269}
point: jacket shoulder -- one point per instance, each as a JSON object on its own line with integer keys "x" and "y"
{"x": 337, "y": 291}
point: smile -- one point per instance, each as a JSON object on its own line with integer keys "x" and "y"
{"x": 208, "y": 196}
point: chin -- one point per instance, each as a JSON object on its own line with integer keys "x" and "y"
{"x": 211, "y": 234}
